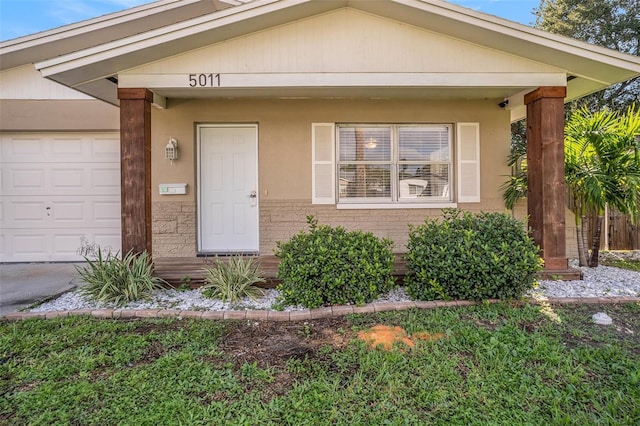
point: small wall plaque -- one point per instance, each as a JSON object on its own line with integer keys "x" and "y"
{"x": 173, "y": 188}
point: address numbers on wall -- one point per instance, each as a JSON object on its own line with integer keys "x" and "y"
{"x": 204, "y": 80}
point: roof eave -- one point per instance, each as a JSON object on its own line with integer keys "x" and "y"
{"x": 103, "y": 29}
{"x": 600, "y": 65}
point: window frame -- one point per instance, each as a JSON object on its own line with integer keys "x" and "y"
{"x": 395, "y": 201}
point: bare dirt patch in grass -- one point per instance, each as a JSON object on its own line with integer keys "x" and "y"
{"x": 273, "y": 343}
{"x": 387, "y": 337}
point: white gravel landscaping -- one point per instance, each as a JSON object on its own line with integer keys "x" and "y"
{"x": 602, "y": 281}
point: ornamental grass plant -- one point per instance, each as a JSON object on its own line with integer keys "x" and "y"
{"x": 110, "y": 279}
{"x": 233, "y": 279}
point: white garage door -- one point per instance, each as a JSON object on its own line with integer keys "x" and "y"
{"x": 56, "y": 190}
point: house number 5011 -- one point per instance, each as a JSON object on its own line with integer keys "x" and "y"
{"x": 204, "y": 80}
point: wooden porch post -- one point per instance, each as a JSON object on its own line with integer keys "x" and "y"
{"x": 545, "y": 168}
{"x": 135, "y": 168}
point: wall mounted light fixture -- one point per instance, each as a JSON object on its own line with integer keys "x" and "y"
{"x": 171, "y": 150}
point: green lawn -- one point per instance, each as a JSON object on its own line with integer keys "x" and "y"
{"x": 498, "y": 364}
{"x": 630, "y": 264}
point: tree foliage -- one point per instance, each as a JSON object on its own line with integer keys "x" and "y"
{"x": 610, "y": 23}
{"x": 602, "y": 166}
{"x": 516, "y": 187}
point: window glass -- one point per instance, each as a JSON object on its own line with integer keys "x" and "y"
{"x": 365, "y": 144}
{"x": 394, "y": 163}
{"x": 423, "y": 162}
{"x": 420, "y": 181}
{"x": 423, "y": 143}
{"x": 365, "y": 181}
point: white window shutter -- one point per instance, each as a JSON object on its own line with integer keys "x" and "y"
{"x": 468, "y": 154}
{"x": 323, "y": 148}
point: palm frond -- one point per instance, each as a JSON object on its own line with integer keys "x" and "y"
{"x": 514, "y": 190}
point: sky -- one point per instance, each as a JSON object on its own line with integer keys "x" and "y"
{"x": 22, "y": 17}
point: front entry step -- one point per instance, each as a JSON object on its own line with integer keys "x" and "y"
{"x": 570, "y": 274}
{"x": 191, "y": 271}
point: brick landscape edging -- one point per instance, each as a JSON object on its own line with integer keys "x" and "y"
{"x": 303, "y": 315}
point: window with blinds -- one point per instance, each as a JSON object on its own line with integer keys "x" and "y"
{"x": 394, "y": 163}
{"x": 364, "y": 163}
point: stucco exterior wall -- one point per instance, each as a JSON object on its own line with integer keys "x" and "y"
{"x": 17, "y": 115}
{"x": 284, "y": 151}
{"x": 31, "y": 103}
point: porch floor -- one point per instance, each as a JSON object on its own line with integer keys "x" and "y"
{"x": 175, "y": 270}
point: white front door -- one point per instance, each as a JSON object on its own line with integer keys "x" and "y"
{"x": 228, "y": 189}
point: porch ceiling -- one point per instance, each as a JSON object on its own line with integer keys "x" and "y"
{"x": 498, "y": 93}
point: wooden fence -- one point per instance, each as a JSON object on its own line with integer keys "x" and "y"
{"x": 623, "y": 235}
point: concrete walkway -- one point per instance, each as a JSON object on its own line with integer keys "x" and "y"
{"x": 23, "y": 284}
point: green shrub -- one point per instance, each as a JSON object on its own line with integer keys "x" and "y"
{"x": 234, "y": 279}
{"x": 114, "y": 280}
{"x": 470, "y": 257}
{"x": 330, "y": 266}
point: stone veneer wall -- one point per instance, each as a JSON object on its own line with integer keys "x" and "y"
{"x": 281, "y": 219}
{"x": 174, "y": 228}
{"x": 174, "y": 223}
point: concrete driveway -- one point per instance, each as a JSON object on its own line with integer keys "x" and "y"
{"x": 23, "y": 284}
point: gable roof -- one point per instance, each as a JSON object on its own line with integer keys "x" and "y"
{"x": 310, "y": 58}
{"x": 91, "y": 69}
{"x": 102, "y": 29}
